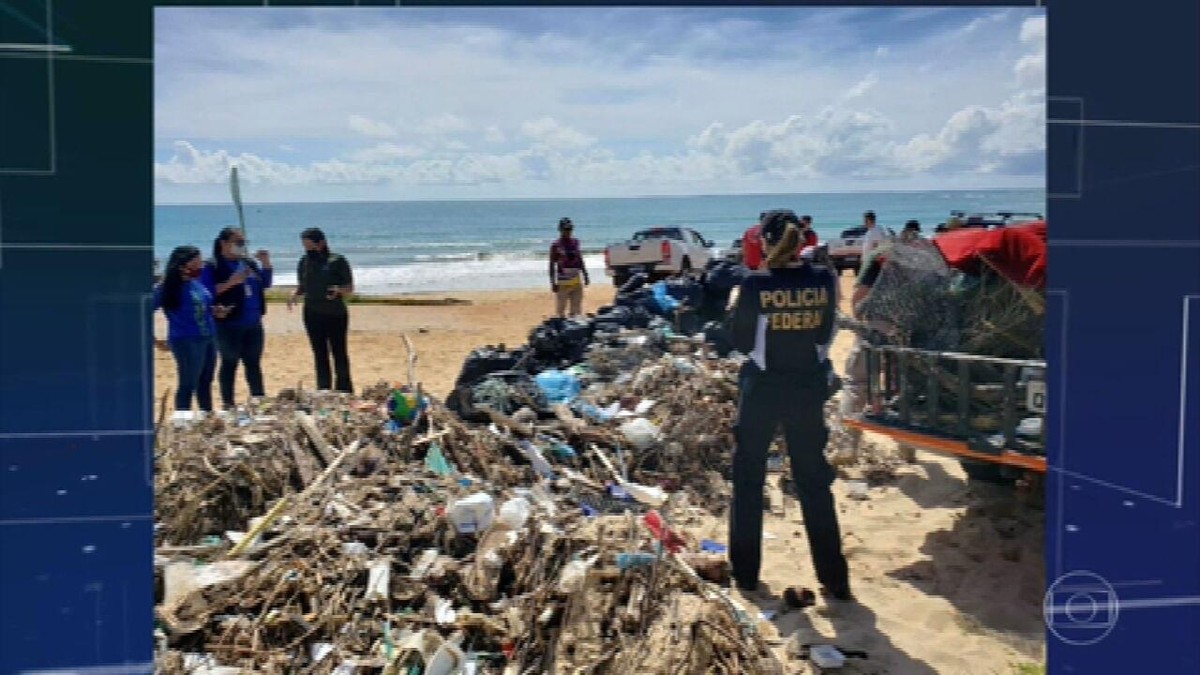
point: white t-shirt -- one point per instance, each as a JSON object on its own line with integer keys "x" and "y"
{"x": 874, "y": 237}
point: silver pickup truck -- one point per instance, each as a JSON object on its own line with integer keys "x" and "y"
{"x": 659, "y": 252}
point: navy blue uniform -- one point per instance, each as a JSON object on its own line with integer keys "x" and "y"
{"x": 784, "y": 321}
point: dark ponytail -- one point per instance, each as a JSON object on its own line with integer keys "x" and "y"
{"x": 225, "y": 235}
{"x": 172, "y": 283}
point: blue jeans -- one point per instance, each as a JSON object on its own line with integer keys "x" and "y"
{"x": 242, "y": 344}
{"x": 195, "y": 359}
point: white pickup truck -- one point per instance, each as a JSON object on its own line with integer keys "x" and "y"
{"x": 660, "y": 252}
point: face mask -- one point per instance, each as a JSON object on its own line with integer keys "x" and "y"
{"x": 238, "y": 251}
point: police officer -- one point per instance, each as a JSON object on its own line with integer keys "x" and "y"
{"x": 784, "y": 321}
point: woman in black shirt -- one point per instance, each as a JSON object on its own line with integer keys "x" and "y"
{"x": 324, "y": 280}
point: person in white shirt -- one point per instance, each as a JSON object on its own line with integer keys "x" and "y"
{"x": 874, "y": 237}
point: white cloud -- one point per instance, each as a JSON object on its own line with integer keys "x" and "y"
{"x": 1033, "y": 31}
{"x": 865, "y": 85}
{"x": 481, "y": 105}
{"x": 550, "y": 133}
{"x": 371, "y": 128}
{"x": 444, "y": 125}
{"x": 1031, "y": 68}
{"x": 386, "y": 152}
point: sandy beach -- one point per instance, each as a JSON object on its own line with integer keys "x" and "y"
{"x": 949, "y": 575}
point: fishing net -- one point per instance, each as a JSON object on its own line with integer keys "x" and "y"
{"x": 932, "y": 306}
{"x": 913, "y": 293}
{"x": 1000, "y": 318}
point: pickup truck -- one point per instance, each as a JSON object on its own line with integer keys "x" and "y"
{"x": 660, "y": 252}
{"x": 989, "y": 221}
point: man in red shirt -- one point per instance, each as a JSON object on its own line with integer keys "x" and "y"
{"x": 806, "y": 228}
{"x": 752, "y": 248}
{"x": 568, "y": 273}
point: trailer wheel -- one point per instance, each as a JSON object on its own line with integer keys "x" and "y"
{"x": 987, "y": 472}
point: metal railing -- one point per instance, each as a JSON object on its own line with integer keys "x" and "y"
{"x": 979, "y": 400}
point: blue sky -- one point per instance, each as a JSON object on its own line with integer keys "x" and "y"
{"x": 405, "y": 103}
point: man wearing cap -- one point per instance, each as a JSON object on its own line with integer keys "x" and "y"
{"x": 568, "y": 273}
{"x": 784, "y": 321}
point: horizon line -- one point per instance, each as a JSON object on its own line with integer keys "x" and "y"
{"x": 581, "y": 198}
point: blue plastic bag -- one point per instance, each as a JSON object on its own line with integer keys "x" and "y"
{"x": 558, "y": 386}
{"x": 663, "y": 299}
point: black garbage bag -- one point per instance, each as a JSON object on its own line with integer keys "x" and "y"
{"x": 611, "y": 319}
{"x": 635, "y": 282}
{"x": 504, "y": 391}
{"x": 478, "y": 365}
{"x": 557, "y": 340}
{"x": 716, "y": 334}
{"x": 640, "y": 301}
{"x": 720, "y": 278}
{"x": 484, "y": 360}
{"x": 723, "y": 275}
{"x": 688, "y": 322}
{"x": 688, "y": 291}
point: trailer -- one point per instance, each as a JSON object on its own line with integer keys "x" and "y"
{"x": 988, "y": 412}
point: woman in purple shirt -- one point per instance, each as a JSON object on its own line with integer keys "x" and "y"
{"x": 189, "y": 309}
{"x": 238, "y": 284}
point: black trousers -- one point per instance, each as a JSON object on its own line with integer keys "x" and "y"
{"x": 327, "y": 335}
{"x": 766, "y": 403}
{"x": 240, "y": 344}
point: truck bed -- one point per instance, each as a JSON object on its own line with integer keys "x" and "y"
{"x": 978, "y": 408}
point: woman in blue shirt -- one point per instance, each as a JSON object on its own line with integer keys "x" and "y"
{"x": 189, "y": 309}
{"x": 238, "y": 284}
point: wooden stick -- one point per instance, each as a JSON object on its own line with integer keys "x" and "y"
{"x": 324, "y": 450}
{"x": 279, "y": 508}
{"x": 412, "y": 359}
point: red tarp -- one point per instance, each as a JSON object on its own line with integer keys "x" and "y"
{"x": 1017, "y": 252}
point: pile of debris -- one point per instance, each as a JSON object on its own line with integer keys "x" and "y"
{"x": 530, "y": 524}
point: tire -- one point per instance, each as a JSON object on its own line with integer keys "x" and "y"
{"x": 620, "y": 278}
{"x": 685, "y": 266}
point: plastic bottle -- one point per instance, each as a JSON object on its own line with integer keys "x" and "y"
{"x": 574, "y": 573}
{"x": 473, "y": 514}
{"x": 514, "y": 513}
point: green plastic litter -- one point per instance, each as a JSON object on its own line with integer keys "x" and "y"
{"x": 436, "y": 462}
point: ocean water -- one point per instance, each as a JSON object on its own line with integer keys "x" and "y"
{"x": 436, "y": 246}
